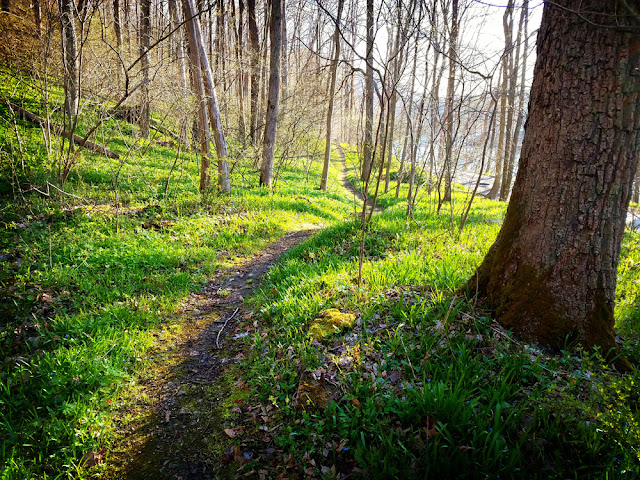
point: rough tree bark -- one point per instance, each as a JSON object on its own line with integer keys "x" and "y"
{"x": 551, "y": 274}
{"x": 266, "y": 169}
{"x": 332, "y": 91}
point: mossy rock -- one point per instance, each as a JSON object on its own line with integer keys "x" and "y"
{"x": 329, "y": 322}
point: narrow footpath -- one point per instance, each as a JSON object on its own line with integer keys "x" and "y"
{"x": 173, "y": 426}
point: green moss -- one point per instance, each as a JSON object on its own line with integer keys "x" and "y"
{"x": 329, "y": 322}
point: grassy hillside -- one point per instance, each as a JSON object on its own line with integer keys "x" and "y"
{"x": 89, "y": 277}
{"x": 424, "y": 383}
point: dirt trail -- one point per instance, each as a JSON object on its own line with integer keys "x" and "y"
{"x": 349, "y": 187}
{"x": 182, "y": 407}
{"x": 178, "y": 431}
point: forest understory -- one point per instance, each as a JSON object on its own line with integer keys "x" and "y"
{"x": 216, "y": 261}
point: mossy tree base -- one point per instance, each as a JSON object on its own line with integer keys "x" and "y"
{"x": 551, "y": 274}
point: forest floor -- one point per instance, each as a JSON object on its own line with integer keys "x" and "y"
{"x": 150, "y": 331}
{"x": 177, "y": 416}
{"x": 180, "y": 405}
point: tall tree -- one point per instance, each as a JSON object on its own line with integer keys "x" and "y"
{"x": 510, "y": 135}
{"x": 332, "y": 92}
{"x": 521, "y": 106}
{"x": 551, "y": 273}
{"x": 144, "y": 39}
{"x": 367, "y": 149}
{"x": 203, "y": 69}
{"x": 449, "y": 129}
{"x": 254, "y": 43}
{"x": 70, "y": 61}
{"x": 268, "y": 147}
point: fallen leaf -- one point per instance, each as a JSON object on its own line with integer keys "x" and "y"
{"x": 92, "y": 458}
{"x": 233, "y": 432}
{"x": 356, "y": 403}
{"x": 430, "y": 427}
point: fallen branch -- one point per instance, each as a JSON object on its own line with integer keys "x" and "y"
{"x": 225, "y": 324}
{"x": 81, "y": 142}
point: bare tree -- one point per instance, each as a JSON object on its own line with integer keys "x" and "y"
{"x": 332, "y": 91}
{"x": 266, "y": 169}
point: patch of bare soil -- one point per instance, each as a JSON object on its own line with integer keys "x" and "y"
{"x": 177, "y": 424}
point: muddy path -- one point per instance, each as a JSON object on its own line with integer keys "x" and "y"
{"x": 173, "y": 424}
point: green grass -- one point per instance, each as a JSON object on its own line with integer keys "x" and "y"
{"x": 88, "y": 277}
{"x": 429, "y": 386}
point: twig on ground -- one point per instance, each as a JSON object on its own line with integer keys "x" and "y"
{"x": 223, "y": 327}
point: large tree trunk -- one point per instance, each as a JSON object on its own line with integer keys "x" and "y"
{"x": 551, "y": 274}
{"x": 367, "y": 149}
{"x": 332, "y": 91}
{"x": 144, "y": 37}
{"x": 266, "y": 169}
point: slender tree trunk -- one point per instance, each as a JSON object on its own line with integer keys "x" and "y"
{"x": 212, "y": 103}
{"x": 285, "y": 59}
{"x": 409, "y": 119}
{"x": 37, "y": 16}
{"x": 254, "y": 42}
{"x": 396, "y": 65}
{"x": 242, "y": 129}
{"x": 332, "y": 91}
{"x": 198, "y": 86}
{"x": 70, "y": 62}
{"x": 448, "y": 161}
{"x": 266, "y": 169}
{"x": 521, "y": 106}
{"x": 497, "y": 180}
{"x": 551, "y": 274}
{"x": 512, "y": 76}
{"x": 367, "y": 151}
{"x": 144, "y": 37}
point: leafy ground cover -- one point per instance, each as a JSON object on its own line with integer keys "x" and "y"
{"x": 426, "y": 383}
{"x": 90, "y": 278}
